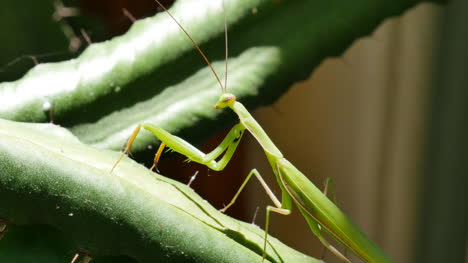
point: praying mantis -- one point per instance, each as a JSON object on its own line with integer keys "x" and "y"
{"x": 321, "y": 214}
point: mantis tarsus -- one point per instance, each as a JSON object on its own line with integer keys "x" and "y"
{"x": 321, "y": 214}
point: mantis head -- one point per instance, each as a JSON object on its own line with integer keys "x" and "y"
{"x": 226, "y": 100}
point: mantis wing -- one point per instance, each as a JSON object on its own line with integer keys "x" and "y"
{"x": 318, "y": 209}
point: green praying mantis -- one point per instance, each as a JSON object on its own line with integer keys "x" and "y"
{"x": 321, "y": 214}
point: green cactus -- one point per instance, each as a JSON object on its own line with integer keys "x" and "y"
{"x": 50, "y": 180}
{"x": 56, "y": 180}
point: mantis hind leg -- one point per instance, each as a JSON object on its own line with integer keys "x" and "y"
{"x": 328, "y": 189}
{"x": 317, "y": 230}
{"x": 314, "y": 225}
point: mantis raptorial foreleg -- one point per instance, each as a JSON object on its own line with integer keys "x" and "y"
{"x": 227, "y": 146}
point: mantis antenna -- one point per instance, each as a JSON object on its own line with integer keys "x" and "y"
{"x": 227, "y": 49}
{"x": 223, "y": 88}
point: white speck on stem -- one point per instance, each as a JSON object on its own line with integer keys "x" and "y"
{"x": 46, "y": 106}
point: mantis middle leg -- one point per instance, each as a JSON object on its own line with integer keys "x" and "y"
{"x": 283, "y": 207}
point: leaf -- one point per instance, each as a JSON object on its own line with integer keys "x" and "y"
{"x": 49, "y": 178}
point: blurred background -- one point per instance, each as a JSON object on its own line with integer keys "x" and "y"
{"x": 387, "y": 121}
